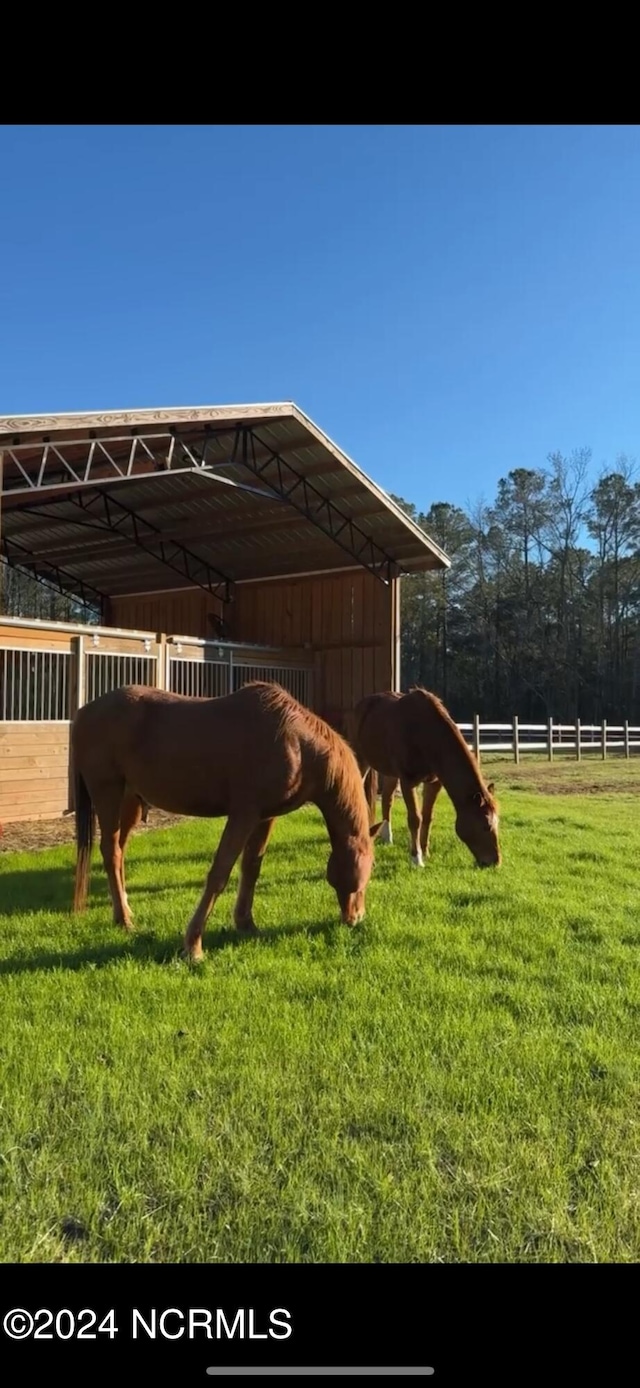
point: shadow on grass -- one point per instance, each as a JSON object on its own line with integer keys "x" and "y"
{"x": 146, "y": 948}
{"x": 51, "y": 889}
{"x": 41, "y": 889}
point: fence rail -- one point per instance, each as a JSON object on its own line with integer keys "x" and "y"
{"x": 553, "y": 739}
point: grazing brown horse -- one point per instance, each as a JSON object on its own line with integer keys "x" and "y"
{"x": 251, "y": 756}
{"x": 411, "y": 738}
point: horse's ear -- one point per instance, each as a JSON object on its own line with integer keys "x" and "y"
{"x": 374, "y": 829}
{"x": 477, "y": 797}
{"x": 491, "y": 787}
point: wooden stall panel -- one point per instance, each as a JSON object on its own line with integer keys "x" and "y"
{"x": 34, "y": 761}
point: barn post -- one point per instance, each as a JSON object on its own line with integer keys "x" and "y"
{"x": 603, "y": 735}
{"x": 578, "y": 736}
{"x": 161, "y": 660}
{"x": 626, "y": 739}
{"x": 77, "y": 646}
{"x": 476, "y": 736}
{"x": 1, "y": 565}
{"x": 396, "y": 631}
{"x": 516, "y": 744}
{"x": 77, "y": 699}
{"x": 550, "y": 740}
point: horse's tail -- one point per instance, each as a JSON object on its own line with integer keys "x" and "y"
{"x": 85, "y": 826}
{"x": 371, "y": 792}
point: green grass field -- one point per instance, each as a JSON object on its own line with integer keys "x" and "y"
{"x": 456, "y": 1079}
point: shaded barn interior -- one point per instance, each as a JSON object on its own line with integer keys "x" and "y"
{"x": 239, "y": 527}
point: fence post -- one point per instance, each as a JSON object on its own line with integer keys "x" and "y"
{"x": 77, "y": 645}
{"x": 550, "y": 740}
{"x": 476, "y": 736}
{"x": 161, "y": 660}
{"x": 578, "y": 734}
{"x": 516, "y": 744}
{"x": 77, "y": 700}
{"x": 604, "y": 739}
{"x": 627, "y": 750}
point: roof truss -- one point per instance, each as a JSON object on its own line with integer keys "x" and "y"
{"x": 79, "y": 470}
{"x": 50, "y": 575}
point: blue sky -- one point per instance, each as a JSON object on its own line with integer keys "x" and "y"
{"x": 447, "y": 302}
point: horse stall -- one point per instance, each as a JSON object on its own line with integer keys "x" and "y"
{"x": 212, "y": 547}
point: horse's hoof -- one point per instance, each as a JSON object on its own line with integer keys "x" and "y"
{"x": 385, "y": 834}
{"x": 193, "y": 953}
{"x": 247, "y": 927}
{"x": 417, "y": 860}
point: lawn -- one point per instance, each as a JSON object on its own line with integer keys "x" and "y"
{"x": 456, "y": 1079}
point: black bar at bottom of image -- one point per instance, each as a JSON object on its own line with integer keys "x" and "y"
{"x": 453, "y": 1324}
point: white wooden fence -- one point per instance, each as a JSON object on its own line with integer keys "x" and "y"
{"x": 562, "y": 739}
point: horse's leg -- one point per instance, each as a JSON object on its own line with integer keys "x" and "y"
{"x": 108, "y": 800}
{"x": 250, "y": 866}
{"x": 131, "y": 812}
{"x": 234, "y": 837}
{"x": 430, "y": 792}
{"x": 388, "y": 788}
{"x": 414, "y": 817}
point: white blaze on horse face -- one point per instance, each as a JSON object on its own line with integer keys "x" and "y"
{"x": 385, "y": 835}
{"x": 494, "y": 821}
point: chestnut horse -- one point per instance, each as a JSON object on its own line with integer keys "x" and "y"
{"x": 251, "y": 756}
{"x": 412, "y": 739}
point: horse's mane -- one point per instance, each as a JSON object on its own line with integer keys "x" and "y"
{"x": 444, "y": 714}
{"x": 342, "y": 769}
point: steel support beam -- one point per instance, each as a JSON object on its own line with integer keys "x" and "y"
{"x": 102, "y": 512}
{"x": 19, "y": 557}
{"x": 112, "y": 515}
{"x": 73, "y": 463}
{"x": 295, "y": 488}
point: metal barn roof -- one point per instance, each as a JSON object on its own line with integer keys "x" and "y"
{"x": 141, "y": 501}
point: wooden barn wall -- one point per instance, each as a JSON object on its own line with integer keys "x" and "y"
{"x": 347, "y": 619}
{"x": 185, "y": 613}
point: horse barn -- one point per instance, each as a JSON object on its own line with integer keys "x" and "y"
{"x": 215, "y": 546}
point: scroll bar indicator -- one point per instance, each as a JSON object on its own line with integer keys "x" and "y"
{"x": 325, "y": 1373}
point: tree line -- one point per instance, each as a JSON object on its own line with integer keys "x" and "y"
{"x": 539, "y": 614}
{"x": 22, "y": 595}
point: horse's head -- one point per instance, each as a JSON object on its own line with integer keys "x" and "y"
{"x": 348, "y": 872}
{"x": 477, "y": 826}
